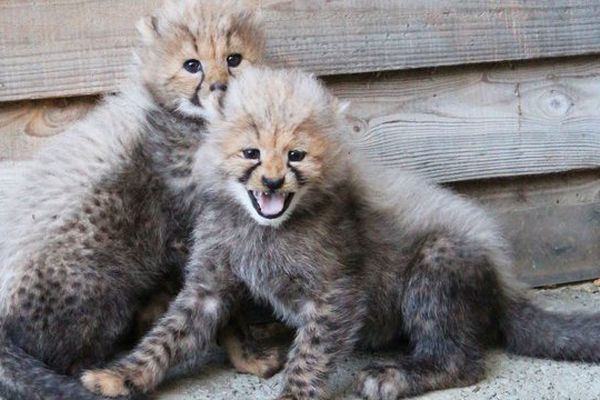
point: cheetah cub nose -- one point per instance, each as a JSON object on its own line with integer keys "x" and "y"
{"x": 218, "y": 86}
{"x": 272, "y": 184}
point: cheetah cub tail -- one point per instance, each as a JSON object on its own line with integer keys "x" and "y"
{"x": 532, "y": 331}
{"x": 22, "y": 377}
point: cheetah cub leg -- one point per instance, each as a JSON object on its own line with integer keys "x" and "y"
{"x": 189, "y": 326}
{"x": 329, "y": 331}
{"x": 446, "y": 319}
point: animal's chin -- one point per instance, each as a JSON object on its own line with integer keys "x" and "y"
{"x": 270, "y": 205}
{"x": 191, "y": 109}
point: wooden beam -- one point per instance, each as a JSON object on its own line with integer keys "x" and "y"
{"x": 80, "y": 47}
{"x": 452, "y": 124}
{"x": 552, "y": 222}
{"x": 458, "y": 124}
{"x": 25, "y": 126}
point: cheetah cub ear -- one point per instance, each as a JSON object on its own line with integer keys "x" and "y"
{"x": 147, "y": 27}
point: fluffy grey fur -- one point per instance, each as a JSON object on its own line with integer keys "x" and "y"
{"x": 92, "y": 231}
{"x": 100, "y": 220}
{"x": 360, "y": 257}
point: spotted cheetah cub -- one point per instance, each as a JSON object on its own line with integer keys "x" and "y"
{"x": 347, "y": 255}
{"x": 101, "y": 219}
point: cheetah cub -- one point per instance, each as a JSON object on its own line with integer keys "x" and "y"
{"x": 101, "y": 220}
{"x": 346, "y": 254}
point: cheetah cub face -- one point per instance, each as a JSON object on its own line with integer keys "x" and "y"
{"x": 275, "y": 145}
{"x": 191, "y": 48}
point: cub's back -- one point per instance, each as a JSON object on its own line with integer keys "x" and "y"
{"x": 53, "y": 187}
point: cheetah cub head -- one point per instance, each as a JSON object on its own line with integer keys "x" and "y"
{"x": 276, "y": 148}
{"x": 191, "y": 48}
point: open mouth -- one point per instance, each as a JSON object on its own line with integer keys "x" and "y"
{"x": 270, "y": 205}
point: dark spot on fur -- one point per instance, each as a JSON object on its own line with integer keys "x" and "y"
{"x": 298, "y": 383}
{"x": 167, "y": 349}
{"x": 70, "y": 300}
{"x": 90, "y": 276}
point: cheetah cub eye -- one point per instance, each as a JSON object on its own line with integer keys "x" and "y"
{"x": 192, "y": 66}
{"x": 296, "y": 155}
{"x": 251, "y": 154}
{"x": 234, "y": 60}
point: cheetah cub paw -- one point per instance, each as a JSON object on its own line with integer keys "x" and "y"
{"x": 105, "y": 382}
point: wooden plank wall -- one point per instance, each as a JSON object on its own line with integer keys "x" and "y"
{"x": 480, "y": 122}
{"x": 25, "y": 125}
{"x": 523, "y": 137}
{"x": 552, "y": 221}
{"x": 452, "y": 124}
{"x": 80, "y": 47}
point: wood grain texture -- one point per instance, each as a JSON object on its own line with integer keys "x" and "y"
{"x": 452, "y": 124}
{"x": 552, "y": 222}
{"x": 79, "y": 47}
{"x": 25, "y": 126}
{"x": 457, "y": 124}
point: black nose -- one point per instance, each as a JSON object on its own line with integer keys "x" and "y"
{"x": 272, "y": 184}
{"x": 218, "y": 86}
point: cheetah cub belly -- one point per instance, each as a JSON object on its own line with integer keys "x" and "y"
{"x": 346, "y": 255}
{"x": 101, "y": 220}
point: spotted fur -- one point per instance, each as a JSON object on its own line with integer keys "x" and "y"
{"x": 101, "y": 219}
{"x": 359, "y": 257}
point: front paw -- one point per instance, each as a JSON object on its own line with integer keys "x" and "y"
{"x": 105, "y": 382}
{"x": 382, "y": 382}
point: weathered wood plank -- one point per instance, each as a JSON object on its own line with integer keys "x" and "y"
{"x": 25, "y": 126}
{"x": 552, "y": 222}
{"x": 78, "y": 47}
{"x": 458, "y": 124}
{"x": 452, "y": 124}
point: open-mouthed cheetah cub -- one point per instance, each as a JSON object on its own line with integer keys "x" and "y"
{"x": 346, "y": 254}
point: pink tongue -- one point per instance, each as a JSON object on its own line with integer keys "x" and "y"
{"x": 271, "y": 204}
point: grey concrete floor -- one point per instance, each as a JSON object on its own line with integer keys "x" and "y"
{"x": 509, "y": 377}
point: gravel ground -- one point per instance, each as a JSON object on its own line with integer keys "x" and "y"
{"x": 509, "y": 377}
